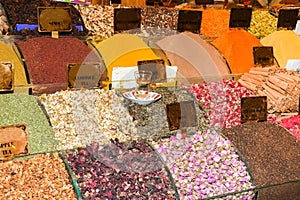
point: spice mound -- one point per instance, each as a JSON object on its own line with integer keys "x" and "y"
{"x": 47, "y": 60}
{"x": 237, "y": 48}
{"x": 271, "y": 151}
{"x": 121, "y": 171}
{"x": 40, "y": 176}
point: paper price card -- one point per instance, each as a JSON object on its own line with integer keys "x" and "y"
{"x": 6, "y": 77}
{"x": 54, "y": 19}
{"x": 85, "y": 75}
{"x": 13, "y": 141}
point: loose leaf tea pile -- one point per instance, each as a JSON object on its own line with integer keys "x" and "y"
{"x": 24, "y": 109}
{"x": 40, "y": 176}
{"x": 271, "y": 152}
{"x": 121, "y": 171}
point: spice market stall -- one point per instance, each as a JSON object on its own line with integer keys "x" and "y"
{"x": 188, "y": 142}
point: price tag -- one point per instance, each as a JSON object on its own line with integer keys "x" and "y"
{"x": 85, "y": 75}
{"x": 240, "y": 17}
{"x": 189, "y": 20}
{"x": 181, "y": 115}
{"x": 127, "y": 19}
{"x": 13, "y": 141}
{"x": 157, "y": 67}
{"x": 263, "y": 56}
{"x": 287, "y": 18}
{"x": 204, "y": 2}
{"x": 6, "y": 77}
{"x": 54, "y": 19}
{"x": 254, "y": 109}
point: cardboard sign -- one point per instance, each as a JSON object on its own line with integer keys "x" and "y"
{"x": 85, "y": 75}
{"x": 254, "y": 109}
{"x": 181, "y": 115}
{"x": 52, "y": 19}
{"x": 240, "y": 17}
{"x": 263, "y": 56}
{"x": 189, "y": 20}
{"x": 204, "y": 2}
{"x": 13, "y": 141}
{"x": 127, "y": 19}
{"x": 157, "y": 67}
{"x": 6, "y": 77}
{"x": 287, "y": 18}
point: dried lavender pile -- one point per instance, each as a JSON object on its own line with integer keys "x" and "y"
{"x": 222, "y": 101}
{"x": 120, "y": 171}
{"x": 81, "y": 117}
{"x": 4, "y": 27}
{"x": 25, "y": 12}
{"x": 206, "y": 165}
{"x": 151, "y": 121}
{"x": 98, "y": 19}
{"x": 39, "y": 177}
{"x": 24, "y": 109}
{"x": 271, "y": 152}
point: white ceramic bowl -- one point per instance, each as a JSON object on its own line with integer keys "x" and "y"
{"x": 142, "y": 97}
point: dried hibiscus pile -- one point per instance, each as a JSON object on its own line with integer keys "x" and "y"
{"x": 121, "y": 171}
{"x": 293, "y": 125}
{"x": 222, "y": 101}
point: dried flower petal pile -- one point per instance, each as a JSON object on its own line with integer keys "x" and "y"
{"x": 206, "y": 165}
{"x": 121, "y": 171}
{"x": 293, "y": 125}
{"x": 222, "y": 99}
{"x": 81, "y": 117}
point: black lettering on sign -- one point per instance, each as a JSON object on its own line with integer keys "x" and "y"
{"x": 254, "y": 109}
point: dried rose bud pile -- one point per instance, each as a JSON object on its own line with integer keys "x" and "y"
{"x": 208, "y": 167}
{"x": 39, "y": 177}
{"x": 293, "y": 125}
{"x": 222, "y": 100}
{"x": 120, "y": 171}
